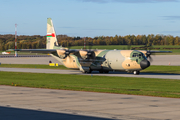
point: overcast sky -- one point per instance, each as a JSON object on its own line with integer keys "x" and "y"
{"x": 91, "y": 17}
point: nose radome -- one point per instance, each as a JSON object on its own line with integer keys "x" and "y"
{"x": 144, "y": 64}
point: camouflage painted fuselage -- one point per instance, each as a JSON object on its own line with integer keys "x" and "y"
{"x": 119, "y": 60}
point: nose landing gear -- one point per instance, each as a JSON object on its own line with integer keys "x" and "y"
{"x": 136, "y": 72}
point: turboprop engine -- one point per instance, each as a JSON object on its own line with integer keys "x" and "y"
{"x": 87, "y": 54}
{"x": 63, "y": 53}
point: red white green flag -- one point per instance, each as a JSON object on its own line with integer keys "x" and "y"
{"x": 50, "y": 35}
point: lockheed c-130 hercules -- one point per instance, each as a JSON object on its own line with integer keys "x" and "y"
{"x": 90, "y": 60}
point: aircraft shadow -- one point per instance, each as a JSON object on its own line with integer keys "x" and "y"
{"x": 9, "y": 113}
{"x": 142, "y": 73}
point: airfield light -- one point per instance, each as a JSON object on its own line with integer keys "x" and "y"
{"x": 16, "y": 40}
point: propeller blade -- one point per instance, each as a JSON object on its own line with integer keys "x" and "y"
{"x": 148, "y": 55}
{"x": 129, "y": 47}
{"x": 150, "y": 58}
{"x": 63, "y": 53}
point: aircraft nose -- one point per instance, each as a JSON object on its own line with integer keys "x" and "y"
{"x": 144, "y": 64}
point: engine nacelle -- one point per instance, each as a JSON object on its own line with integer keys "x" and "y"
{"x": 85, "y": 54}
{"x": 62, "y": 54}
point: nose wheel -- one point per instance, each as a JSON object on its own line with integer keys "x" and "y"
{"x": 136, "y": 72}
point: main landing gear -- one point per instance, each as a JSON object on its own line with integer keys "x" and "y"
{"x": 100, "y": 71}
{"x": 103, "y": 71}
{"x": 87, "y": 71}
{"x": 136, "y": 72}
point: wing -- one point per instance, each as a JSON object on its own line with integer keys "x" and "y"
{"x": 154, "y": 51}
{"x": 160, "y": 51}
{"x": 45, "y": 51}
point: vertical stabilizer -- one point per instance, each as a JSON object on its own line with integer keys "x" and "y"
{"x": 51, "y": 35}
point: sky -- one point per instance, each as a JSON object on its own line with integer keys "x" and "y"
{"x": 91, "y": 18}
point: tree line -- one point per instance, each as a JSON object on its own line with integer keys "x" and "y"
{"x": 38, "y": 42}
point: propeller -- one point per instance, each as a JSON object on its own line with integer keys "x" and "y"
{"x": 65, "y": 52}
{"x": 148, "y": 55}
{"x": 148, "y": 52}
{"x": 128, "y": 47}
{"x": 88, "y": 54}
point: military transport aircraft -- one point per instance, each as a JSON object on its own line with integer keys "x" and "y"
{"x": 87, "y": 61}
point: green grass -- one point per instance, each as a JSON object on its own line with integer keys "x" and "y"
{"x": 123, "y": 47}
{"x": 33, "y": 66}
{"x": 119, "y": 85}
{"x": 151, "y": 69}
{"x": 163, "y": 69}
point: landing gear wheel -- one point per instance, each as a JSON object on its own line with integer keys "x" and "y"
{"x": 89, "y": 70}
{"x": 85, "y": 72}
{"x": 136, "y": 72}
{"x": 106, "y": 71}
{"x": 100, "y": 71}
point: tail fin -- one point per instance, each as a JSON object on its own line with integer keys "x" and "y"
{"x": 51, "y": 35}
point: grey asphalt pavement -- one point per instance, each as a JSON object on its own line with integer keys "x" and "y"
{"x": 117, "y": 74}
{"x": 173, "y": 60}
{"x": 20, "y": 103}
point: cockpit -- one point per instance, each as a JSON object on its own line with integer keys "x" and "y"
{"x": 138, "y": 55}
{"x": 140, "y": 59}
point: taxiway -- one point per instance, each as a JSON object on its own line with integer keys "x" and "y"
{"x": 77, "y": 72}
{"x": 20, "y": 103}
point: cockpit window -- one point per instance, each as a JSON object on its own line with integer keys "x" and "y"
{"x": 135, "y": 55}
{"x": 138, "y": 55}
